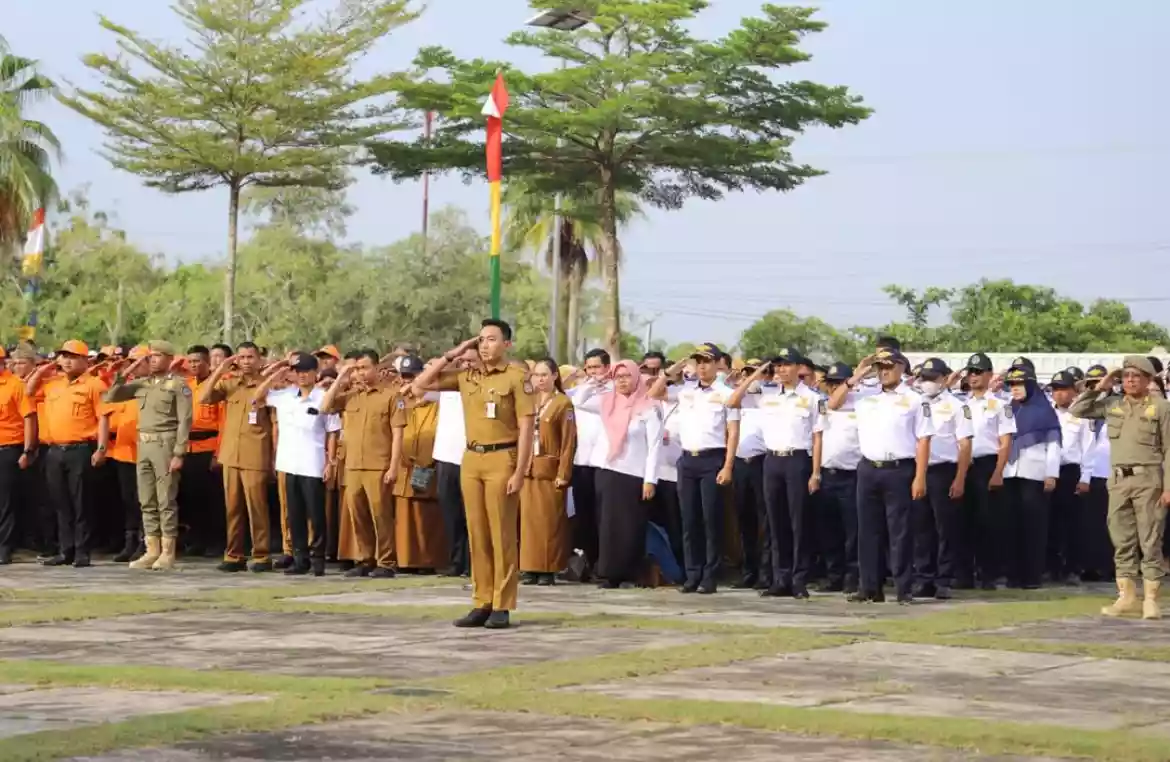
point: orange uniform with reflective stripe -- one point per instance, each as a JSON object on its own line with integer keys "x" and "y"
{"x": 72, "y": 408}
{"x": 14, "y": 406}
{"x": 123, "y": 430}
{"x": 204, "y": 418}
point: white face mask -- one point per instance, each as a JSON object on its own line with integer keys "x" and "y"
{"x": 929, "y": 388}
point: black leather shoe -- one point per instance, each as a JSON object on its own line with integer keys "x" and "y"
{"x": 58, "y": 560}
{"x": 942, "y": 593}
{"x": 706, "y": 590}
{"x": 905, "y": 599}
{"x": 688, "y": 587}
{"x": 608, "y": 584}
{"x": 547, "y": 580}
{"x": 5, "y": 556}
{"x": 127, "y": 552}
{"x": 800, "y": 592}
{"x": 865, "y": 597}
{"x": 528, "y": 578}
{"x": 498, "y": 621}
{"x": 317, "y": 565}
{"x": 475, "y": 618}
{"x": 284, "y": 562}
{"x": 763, "y": 584}
{"x": 925, "y": 590}
{"x": 748, "y": 582}
{"x": 231, "y": 567}
{"x": 987, "y": 584}
{"x": 358, "y": 571}
{"x": 382, "y": 573}
{"x": 297, "y": 570}
{"x": 82, "y": 561}
{"x": 259, "y": 567}
{"x": 834, "y": 586}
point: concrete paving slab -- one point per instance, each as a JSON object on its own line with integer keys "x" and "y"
{"x": 920, "y": 705}
{"x": 313, "y": 644}
{"x": 971, "y": 662}
{"x": 31, "y": 711}
{"x": 1118, "y": 632}
{"x": 448, "y": 736}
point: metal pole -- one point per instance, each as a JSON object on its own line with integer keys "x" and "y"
{"x": 555, "y": 308}
{"x": 649, "y": 333}
{"x": 426, "y": 210}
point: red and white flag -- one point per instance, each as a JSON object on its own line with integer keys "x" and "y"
{"x": 34, "y": 246}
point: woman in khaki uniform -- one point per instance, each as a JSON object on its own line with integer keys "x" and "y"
{"x": 544, "y": 525}
{"x": 419, "y": 532}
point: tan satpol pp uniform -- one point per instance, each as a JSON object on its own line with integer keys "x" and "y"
{"x": 495, "y": 398}
{"x": 544, "y": 525}
{"x": 1139, "y": 453}
{"x": 245, "y": 452}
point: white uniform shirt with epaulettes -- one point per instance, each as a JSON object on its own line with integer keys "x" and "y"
{"x": 952, "y": 422}
{"x": 840, "y": 447}
{"x": 702, "y": 414}
{"x": 788, "y": 416}
{"x": 591, "y": 450}
{"x": 1077, "y": 443}
{"x": 751, "y": 435}
{"x": 991, "y": 418}
{"x": 889, "y": 424}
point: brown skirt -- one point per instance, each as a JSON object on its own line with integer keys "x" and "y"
{"x": 419, "y": 533}
{"x": 347, "y": 544}
{"x": 544, "y": 527}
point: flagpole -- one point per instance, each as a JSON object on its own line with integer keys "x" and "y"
{"x": 493, "y": 109}
{"x": 426, "y": 179}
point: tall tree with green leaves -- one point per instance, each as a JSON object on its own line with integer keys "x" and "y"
{"x": 262, "y": 95}
{"x": 642, "y": 106}
{"x": 27, "y": 147}
{"x": 530, "y": 224}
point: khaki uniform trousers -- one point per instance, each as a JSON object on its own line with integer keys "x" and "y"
{"x": 246, "y": 495}
{"x": 1137, "y": 523}
{"x": 158, "y": 488}
{"x": 371, "y": 508}
{"x": 493, "y": 527}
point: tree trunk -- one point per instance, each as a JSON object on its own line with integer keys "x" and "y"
{"x": 229, "y": 278}
{"x": 573, "y": 319}
{"x": 116, "y": 332}
{"x": 562, "y": 347}
{"x": 611, "y": 310}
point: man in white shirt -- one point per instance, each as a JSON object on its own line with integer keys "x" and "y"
{"x": 709, "y": 435}
{"x": 1078, "y": 442}
{"x": 747, "y": 481}
{"x": 589, "y": 457}
{"x": 303, "y": 457}
{"x": 840, "y": 455}
{"x": 938, "y": 517}
{"x": 1096, "y": 547}
{"x": 893, "y": 430}
{"x": 450, "y": 444}
{"x": 993, "y": 428}
{"x": 790, "y": 424}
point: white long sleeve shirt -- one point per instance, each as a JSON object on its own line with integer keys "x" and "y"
{"x": 671, "y": 450}
{"x": 639, "y": 455}
{"x": 589, "y": 427}
{"x": 1037, "y": 461}
{"x": 1077, "y": 443}
{"x": 450, "y": 437}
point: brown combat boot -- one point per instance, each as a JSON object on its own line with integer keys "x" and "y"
{"x": 1150, "y": 608}
{"x": 151, "y": 555}
{"x": 1127, "y": 602}
{"x": 166, "y": 561}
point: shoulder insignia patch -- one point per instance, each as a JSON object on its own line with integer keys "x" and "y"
{"x": 185, "y": 390}
{"x": 967, "y": 412}
{"x": 569, "y": 416}
{"x": 925, "y": 409}
{"x": 401, "y": 404}
{"x": 1007, "y": 411}
{"x": 822, "y": 407}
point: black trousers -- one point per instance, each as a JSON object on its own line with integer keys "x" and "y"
{"x": 454, "y": 516}
{"x": 937, "y": 521}
{"x": 306, "y": 507}
{"x": 883, "y": 499}
{"x": 36, "y": 516}
{"x": 665, "y": 512}
{"x": 127, "y": 475}
{"x": 1064, "y": 554}
{"x": 1027, "y": 535}
{"x": 751, "y": 513}
{"x": 622, "y": 533}
{"x": 69, "y": 473}
{"x": 981, "y": 551}
{"x": 1094, "y": 532}
{"x": 838, "y": 526}
{"x": 584, "y": 523}
{"x": 786, "y": 494}
{"x": 701, "y": 504}
{"x": 201, "y": 502}
{"x": 9, "y": 481}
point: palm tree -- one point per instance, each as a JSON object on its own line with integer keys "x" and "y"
{"x": 529, "y": 225}
{"x": 26, "y": 146}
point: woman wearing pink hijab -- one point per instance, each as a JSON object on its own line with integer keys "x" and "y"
{"x": 625, "y": 484}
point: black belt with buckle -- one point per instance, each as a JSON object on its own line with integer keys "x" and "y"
{"x": 787, "y": 453}
{"x": 202, "y": 436}
{"x": 890, "y": 463}
{"x": 482, "y": 448}
{"x": 708, "y": 451}
{"x": 74, "y": 445}
{"x": 1121, "y": 471}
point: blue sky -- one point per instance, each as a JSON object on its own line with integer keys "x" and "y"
{"x": 1010, "y": 139}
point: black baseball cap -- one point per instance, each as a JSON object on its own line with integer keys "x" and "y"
{"x": 934, "y": 366}
{"x": 1075, "y": 372}
{"x": 304, "y": 363}
{"x": 1024, "y": 362}
{"x": 838, "y": 372}
{"x": 788, "y": 356}
{"x": 410, "y": 365}
{"x": 1062, "y": 379}
{"x": 890, "y": 356}
{"x": 707, "y": 351}
{"x": 980, "y": 363}
{"x": 1019, "y": 374}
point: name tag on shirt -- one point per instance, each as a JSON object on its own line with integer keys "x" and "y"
{"x": 253, "y": 416}
{"x": 489, "y": 411}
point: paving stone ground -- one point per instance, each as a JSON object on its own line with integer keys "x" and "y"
{"x": 448, "y": 736}
{"x": 867, "y": 677}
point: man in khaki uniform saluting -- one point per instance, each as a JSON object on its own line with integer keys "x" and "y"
{"x": 164, "y": 426}
{"x": 498, "y": 411}
{"x": 1139, "y": 483}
